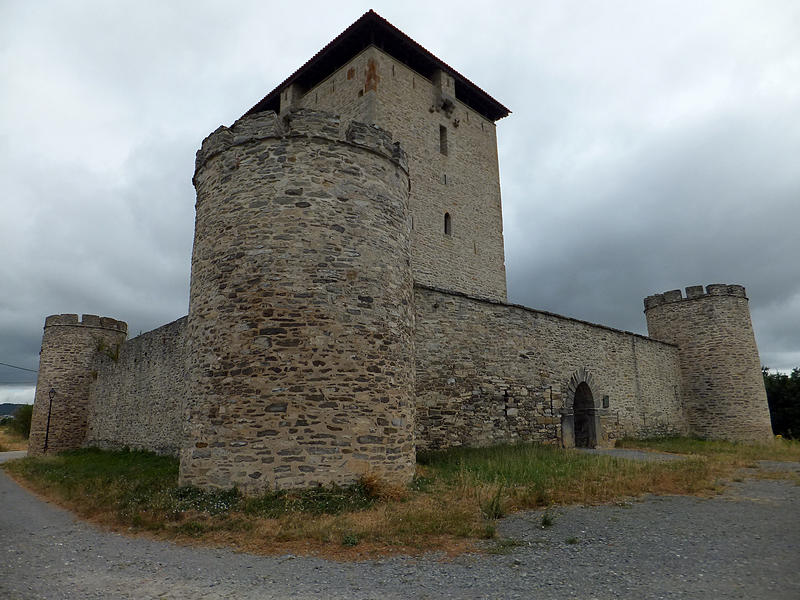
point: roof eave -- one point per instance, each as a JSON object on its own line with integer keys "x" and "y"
{"x": 372, "y": 23}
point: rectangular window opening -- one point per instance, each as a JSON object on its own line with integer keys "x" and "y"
{"x": 443, "y": 139}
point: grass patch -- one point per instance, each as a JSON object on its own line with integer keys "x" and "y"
{"x": 454, "y": 500}
{"x": 11, "y": 440}
{"x": 727, "y": 459}
{"x": 780, "y": 449}
{"x": 532, "y": 476}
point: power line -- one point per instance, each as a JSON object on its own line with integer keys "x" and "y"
{"x": 20, "y": 368}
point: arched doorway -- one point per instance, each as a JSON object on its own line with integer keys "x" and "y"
{"x": 580, "y": 417}
{"x": 584, "y": 411}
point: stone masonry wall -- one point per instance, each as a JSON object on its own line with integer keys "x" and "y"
{"x": 463, "y": 182}
{"x": 721, "y": 369}
{"x": 69, "y": 348}
{"x": 300, "y": 315}
{"x": 136, "y": 399}
{"x": 490, "y": 372}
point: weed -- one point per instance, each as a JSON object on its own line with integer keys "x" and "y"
{"x": 350, "y": 540}
{"x": 193, "y": 528}
{"x": 379, "y": 489}
{"x": 547, "y": 520}
{"x": 504, "y": 546}
{"x": 492, "y": 507}
{"x": 572, "y": 540}
{"x": 420, "y": 484}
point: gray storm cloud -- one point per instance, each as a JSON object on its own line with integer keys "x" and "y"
{"x": 652, "y": 146}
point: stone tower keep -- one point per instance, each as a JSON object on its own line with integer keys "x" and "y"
{"x": 723, "y": 389}
{"x": 301, "y": 309}
{"x": 69, "y": 348}
{"x": 374, "y": 73}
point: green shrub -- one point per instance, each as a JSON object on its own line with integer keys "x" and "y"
{"x": 21, "y": 423}
{"x": 350, "y": 539}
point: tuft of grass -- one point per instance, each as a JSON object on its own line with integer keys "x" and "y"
{"x": 547, "y": 520}
{"x": 572, "y": 540}
{"x": 504, "y": 546}
{"x": 492, "y": 506}
{"x": 378, "y": 488}
{"x": 192, "y": 528}
{"x": 350, "y": 540}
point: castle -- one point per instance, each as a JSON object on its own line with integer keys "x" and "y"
{"x": 348, "y": 304}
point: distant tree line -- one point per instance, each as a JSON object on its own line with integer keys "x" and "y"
{"x": 783, "y": 395}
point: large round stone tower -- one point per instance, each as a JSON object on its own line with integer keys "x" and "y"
{"x": 69, "y": 348}
{"x": 300, "y": 310}
{"x": 723, "y": 389}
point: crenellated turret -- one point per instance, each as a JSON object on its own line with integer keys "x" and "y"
{"x": 723, "y": 389}
{"x": 69, "y": 347}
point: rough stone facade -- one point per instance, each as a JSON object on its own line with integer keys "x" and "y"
{"x": 489, "y": 372}
{"x": 136, "y": 398}
{"x": 452, "y": 156}
{"x": 66, "y": 370}
{"x": 348, "y": 304}
{"x": 720, "y": 367}
{"x": 300, "y": 313}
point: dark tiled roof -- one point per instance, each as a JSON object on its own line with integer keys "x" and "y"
{"x": 372, "y": 29}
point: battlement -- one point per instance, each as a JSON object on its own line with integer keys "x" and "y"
{"x": 300, "y": 123}
{"x": 694, "y": 292}
{"x": 91, "y": 321}
{"x": 722, "y": 387}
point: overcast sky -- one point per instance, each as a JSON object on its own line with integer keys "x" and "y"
{"x": 652, "y": 145}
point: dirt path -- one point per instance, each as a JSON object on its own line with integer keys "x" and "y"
{"x": 743, "y": 544}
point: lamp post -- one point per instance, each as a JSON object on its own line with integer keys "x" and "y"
{"x": 52, "y": 394}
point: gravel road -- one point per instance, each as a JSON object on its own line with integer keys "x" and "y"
{"x": 742, "y": 544}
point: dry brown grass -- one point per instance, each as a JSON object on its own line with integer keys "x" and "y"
{"x": 10, "y": 440}
{"x": 413, "y": 525}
